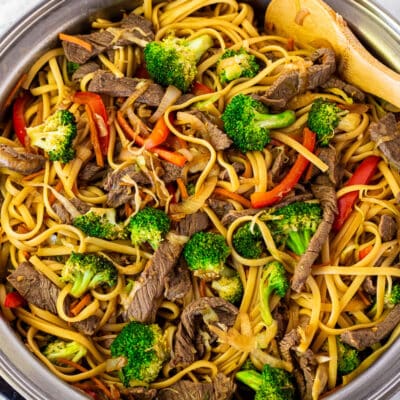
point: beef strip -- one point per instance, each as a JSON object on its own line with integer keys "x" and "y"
{"x": 295, "y": 82}
{"x": 64, "y": 215}
{"x": 171, "y": 172}
{"x": 387, "y": 137}
{"x": 193, "y": 329}
{"x": 237, "y": 166}
{"x": 85, "y": 69}
{"x": 366, "y": 337}
{"x": 325, "y": 192}
{"x": 221, "y": 388}
{"x": 151, "y": 283}
{"x": 308, "y": 365}
{"x": 369, "y": 286}
{"x": 140, "y": 31}
{"x": 23, "y": 163}
{"x": 335, "y": 171}
{"x": 139, "y": 393}
{"x": 220, "y": 207}
{"x": 104, "y": 82}
{"x": 233, "y": 215}
{"x": 289, "y": 343}
{"x": 37, "y": 289}
{"x": 92, "y": 172}
{"x": 387, "y": 227}
{"x": 350, "y": 90}
{"x": 178, "y": 282}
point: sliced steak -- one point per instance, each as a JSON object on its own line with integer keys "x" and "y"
{"x": 325, "y": 192}
{"x": 178, "y": 282}
{"x": 171, "y": 172}
{"x": 237, "y": 166}
{"x": 192, "y": 330}
{"x": 104, "y": 82}
{"x": 134, "y": 30}
{"x": 329, "y": 157}
{"x": 387, "y": 137}
{"x": 221, "y": 388}
{"x": 139, "y": 393}
{"x": 92, "y": 172}
{"x": 366, "y": 337}
{"x": 85, "y": 69}
{"x": 23, "y": 163}
{"x": 193, "y": 223}
{"x": 295, "y": 82}
{"x": 37, "y": 289}
{"x": 387, "y": 227}
{"x": 308, "y": 365}
{"x": 350, "y": 90}
{"x": 220, "y": 207}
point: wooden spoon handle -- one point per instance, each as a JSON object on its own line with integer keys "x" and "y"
{"x": 355, "y": 64}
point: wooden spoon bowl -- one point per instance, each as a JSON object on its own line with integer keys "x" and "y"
{"x": 310, "y": 21}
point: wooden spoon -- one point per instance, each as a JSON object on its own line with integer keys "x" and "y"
{"x": 316, "y": 21}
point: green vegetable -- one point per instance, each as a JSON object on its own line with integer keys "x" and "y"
{"x": 72, "y": 67}
{"x": 323, "y": 119}
{"x": 348, "y": 358}
{"x": 229, "y": 287}
{"x": 55, "y": 136}
{"x": 58, "y": 348}
{"x": 273, "y": 280}
{"x": 393, "y": 297}
{"x": 144, "y": 349}
{"x": 205, "y": 253}
{"x": 87, "y": 271}
{"x": 270, "y": 384}
{"x": 247, "y": 122}
{"x": 295, "y": 225}
{"x": 248, "y": 241}
{"x": 234, "y": 64}
{"x": 100, "y": 223}
{"x": 174, "y": 60}
{"x": 149, "y": 225}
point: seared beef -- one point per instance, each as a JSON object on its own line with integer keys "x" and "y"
{"x": 220, "y": 207}
{"x": 221, "y": 388}
{"x": 171, "y": 172}
{"x": 308, "y": 365}
{"x": 289, "y": 343}
{"x": 325, "y": 192}
{"x": 335, "y": 171}
{"x": 237, "y": 166}
{"x": 151, "y": 283}
{"x": 134, "y": 29}
{"x": 350, "y": 90}
{"x": 387, "y": 228}
{"x": 139, "y": 393}
{"x": 369, "y": 286}
{"x": 63, "y": 214}
{"x": 295, "y": 82}
{"x": 92, "y": 172}
{"x": 193, "y": 331}
{"x": 23, "y": 163}
{"x": 85, "y": 69}
{"x": 104, "y": 82}
{"x": 80, "y": 205}
{"x": 280, "y": 163}
{"x": 387, "y": 137}
{"x": 178, "y": 282}
{"x": 37, "y": 289}
{"x": 193, "y": 223}
{"x": 366, "y": 337}
{"x": 234, "y": 214}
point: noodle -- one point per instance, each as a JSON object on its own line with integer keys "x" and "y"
{"x": 351, "y": 277}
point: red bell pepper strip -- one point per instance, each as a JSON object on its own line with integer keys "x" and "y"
{"x": 264, "y": 199}
{"x": 200, "y": 88}
{"x": 158, "y": 135}
{"x": 14, "y": 300}
{"x": 96, "y": 105}
{"x": 361, "y": 176}
{"x": 19, "y": 119}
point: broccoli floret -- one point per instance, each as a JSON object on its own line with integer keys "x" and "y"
{"x": 247, "y": 122}
{"x": 72, "y": 67}
{"x": 144, "y": 348}
{"x": 100, "y": 223}
{"x": 295, "y": 225}
{"x": 58, "y": 348}
{"x": 174, "y": 60}
{"x": 272, "y": 383}
{"x": 234, "y": 64}
{"x": 205, "y": 253}
{"x": 393, "y": 297}
{"x": 87, "y": 271}
{"x": 248, "y": 241}
{"x": 273, "y": 280}
{"x": 348, "y": 358}
{"x": 55, "y": 136}
{"x": 229, "y": 287}
{"x": 149, "y": 225}
{"x": 323, "y": 119}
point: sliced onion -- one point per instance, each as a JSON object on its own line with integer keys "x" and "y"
{"x": 195, "y": 202}
{"x": 190, "y": 119}
{"x": 171, "y": 95}
{"x": 115, "y": 364}
{"x": 299, "y": 19}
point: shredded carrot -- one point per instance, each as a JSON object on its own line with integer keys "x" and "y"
{"x": 308, "y": 173}
{"x": 364, "y": 252}
{"x": 26, "y": 254}
{"x": 182, "y": 188}
{"x": 234, "y": 196}
{"x": 202, "y": 288}
{"x": 75, "y": 40}
{"x": 22, "y": 228}
{"x": 94, "y": 137}
{"x": 79, "y": 367}
{"x": 81, "y": 304}
{"x": 34, "y": 175}
{"x": 128, "y": 130}
{"x": 363, "y": 298}
{"x": 128, "y": 209}
{"x": 58, "y": 188}
{"x": 290, "y": 44}
{"x": 14, "y": 91}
